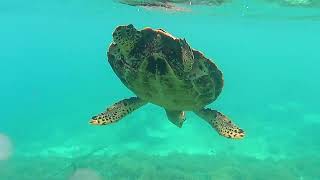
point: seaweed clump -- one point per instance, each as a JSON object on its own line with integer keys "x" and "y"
{"x": 140, "y": 166}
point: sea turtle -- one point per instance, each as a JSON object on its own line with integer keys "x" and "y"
{"x": 165, "y": 71}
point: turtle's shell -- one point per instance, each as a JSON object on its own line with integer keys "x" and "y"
{"x": 154, "y": 65}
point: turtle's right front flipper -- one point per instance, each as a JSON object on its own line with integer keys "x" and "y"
{"x": 223, "y": 125}
{"x": 117, "y": 111}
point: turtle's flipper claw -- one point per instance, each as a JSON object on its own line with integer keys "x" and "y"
{"x": 94, "y": 121}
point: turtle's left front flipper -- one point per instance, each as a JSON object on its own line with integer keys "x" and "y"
{"x": 223, "y": 125}
{"x": 117, "y": 111}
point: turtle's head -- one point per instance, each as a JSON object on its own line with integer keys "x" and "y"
{"x": 126, "y": 37}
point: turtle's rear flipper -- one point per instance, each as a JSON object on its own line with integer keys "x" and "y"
{"x": 176, "y": 117}
{"x": 221, "y": 123}
{"x": 117, "y": 111}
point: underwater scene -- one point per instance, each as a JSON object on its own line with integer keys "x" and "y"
{"x": 160, "y": 89}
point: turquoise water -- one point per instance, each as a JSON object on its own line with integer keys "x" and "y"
{"x": 55, "y": 75}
